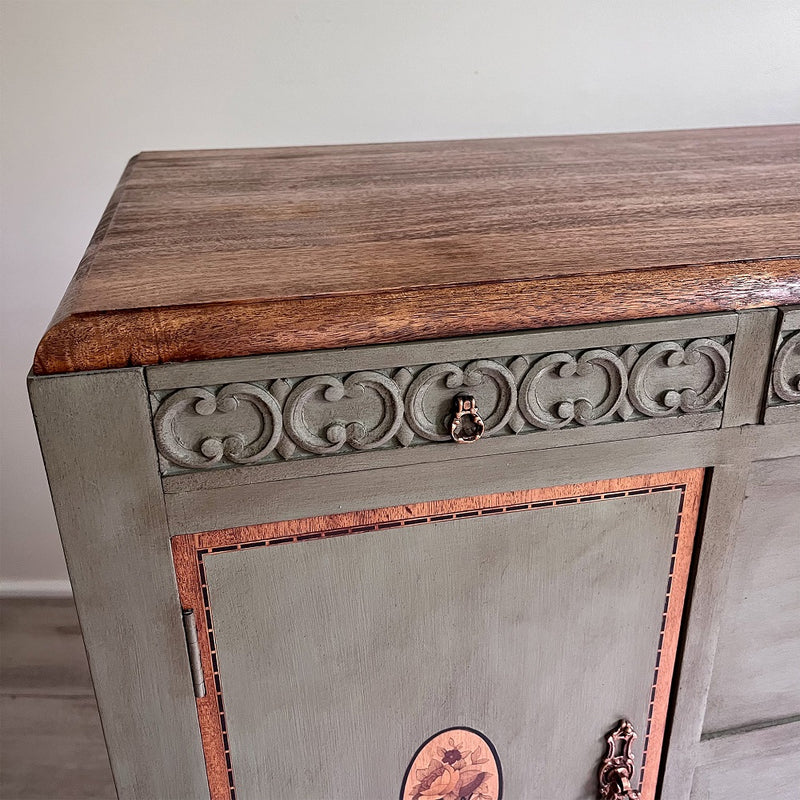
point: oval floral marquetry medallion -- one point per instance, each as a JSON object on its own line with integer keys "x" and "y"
{"x": 456, "y": 764}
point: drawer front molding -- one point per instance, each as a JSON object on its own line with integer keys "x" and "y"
{"x": 320, "y": 415}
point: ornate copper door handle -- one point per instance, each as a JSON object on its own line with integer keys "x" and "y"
{"x": 617, "y": 768}
{"x": 466, "y": 425}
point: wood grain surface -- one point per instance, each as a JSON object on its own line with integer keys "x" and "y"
{"x": 185, "y": 549}
{"x": 209, "y": 254}
{"x": 51, "y": 742}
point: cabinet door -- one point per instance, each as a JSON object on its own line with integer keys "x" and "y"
{"x": 751, "y": 732}
{"x": 521, "y": 626}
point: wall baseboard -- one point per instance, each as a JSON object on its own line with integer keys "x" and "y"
{"x": 31, "y": 588}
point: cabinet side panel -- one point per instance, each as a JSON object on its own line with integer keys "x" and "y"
{"x": 723, "y": 504}
{"x": 756, "y": 678}
{"x": 94, "y": 431}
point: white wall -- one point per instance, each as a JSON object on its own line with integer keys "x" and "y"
{"x": 87, "y": 84}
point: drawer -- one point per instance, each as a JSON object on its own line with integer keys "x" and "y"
{"x": 269, "y": 418}
{"x": 490, "y": 642}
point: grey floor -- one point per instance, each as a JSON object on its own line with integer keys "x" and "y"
{"x": 51, "y": 744}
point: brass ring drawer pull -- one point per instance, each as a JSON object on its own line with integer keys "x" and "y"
{"x": 466, "y": 425}
{"x": 617, "y": 768}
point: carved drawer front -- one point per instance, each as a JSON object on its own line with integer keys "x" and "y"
{"x": 471, "y": 648}
{"x": 308, "y": 413}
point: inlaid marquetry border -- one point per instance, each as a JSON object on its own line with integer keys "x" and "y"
{"x": 190, "y": 550}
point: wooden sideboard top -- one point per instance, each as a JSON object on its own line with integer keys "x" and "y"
{"x": 210, "y": 254}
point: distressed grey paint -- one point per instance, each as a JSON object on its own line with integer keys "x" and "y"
{"x": 790, "y": 316}
{"x": 783, "y": 404}
{"x": 743, "y": 404}
{"x": 340, "y": 657}
{"x": 333, "y": 414}
{"x": 94, "y": 430}
{"x": 762, "y": 764}
{"x": 248, "y": 504}
{"x": 750, "y": 366}
{"x": 713, "y": 557}
{"x": 756, "y": 678}
{"x": 97, "y": 440}
{"x": 443, "y": 452}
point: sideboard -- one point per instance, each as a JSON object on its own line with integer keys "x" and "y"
{"x": 447, "y": 471}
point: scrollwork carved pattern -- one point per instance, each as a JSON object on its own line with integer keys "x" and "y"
{"x": 341, "y": 431}
{"x": 454, "y": 378}
{"x": 688, "y": 399}
{"x": 786, "y": 369}
{"x": 322, "y": 415}
{"x": 233, "y": 447}
{"x": 565, "y": 409}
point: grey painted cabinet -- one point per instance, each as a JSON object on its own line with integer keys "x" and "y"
{"x": 439, "y": 471}
{"x": 348, "y": 603}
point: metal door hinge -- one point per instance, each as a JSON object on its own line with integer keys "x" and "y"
{"x": 193, "y": 647}
{"x": 616, "y": 771}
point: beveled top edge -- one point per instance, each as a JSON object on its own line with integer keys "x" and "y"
{"x": 212, "y": 254}
{"x": 135, "y": 338}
